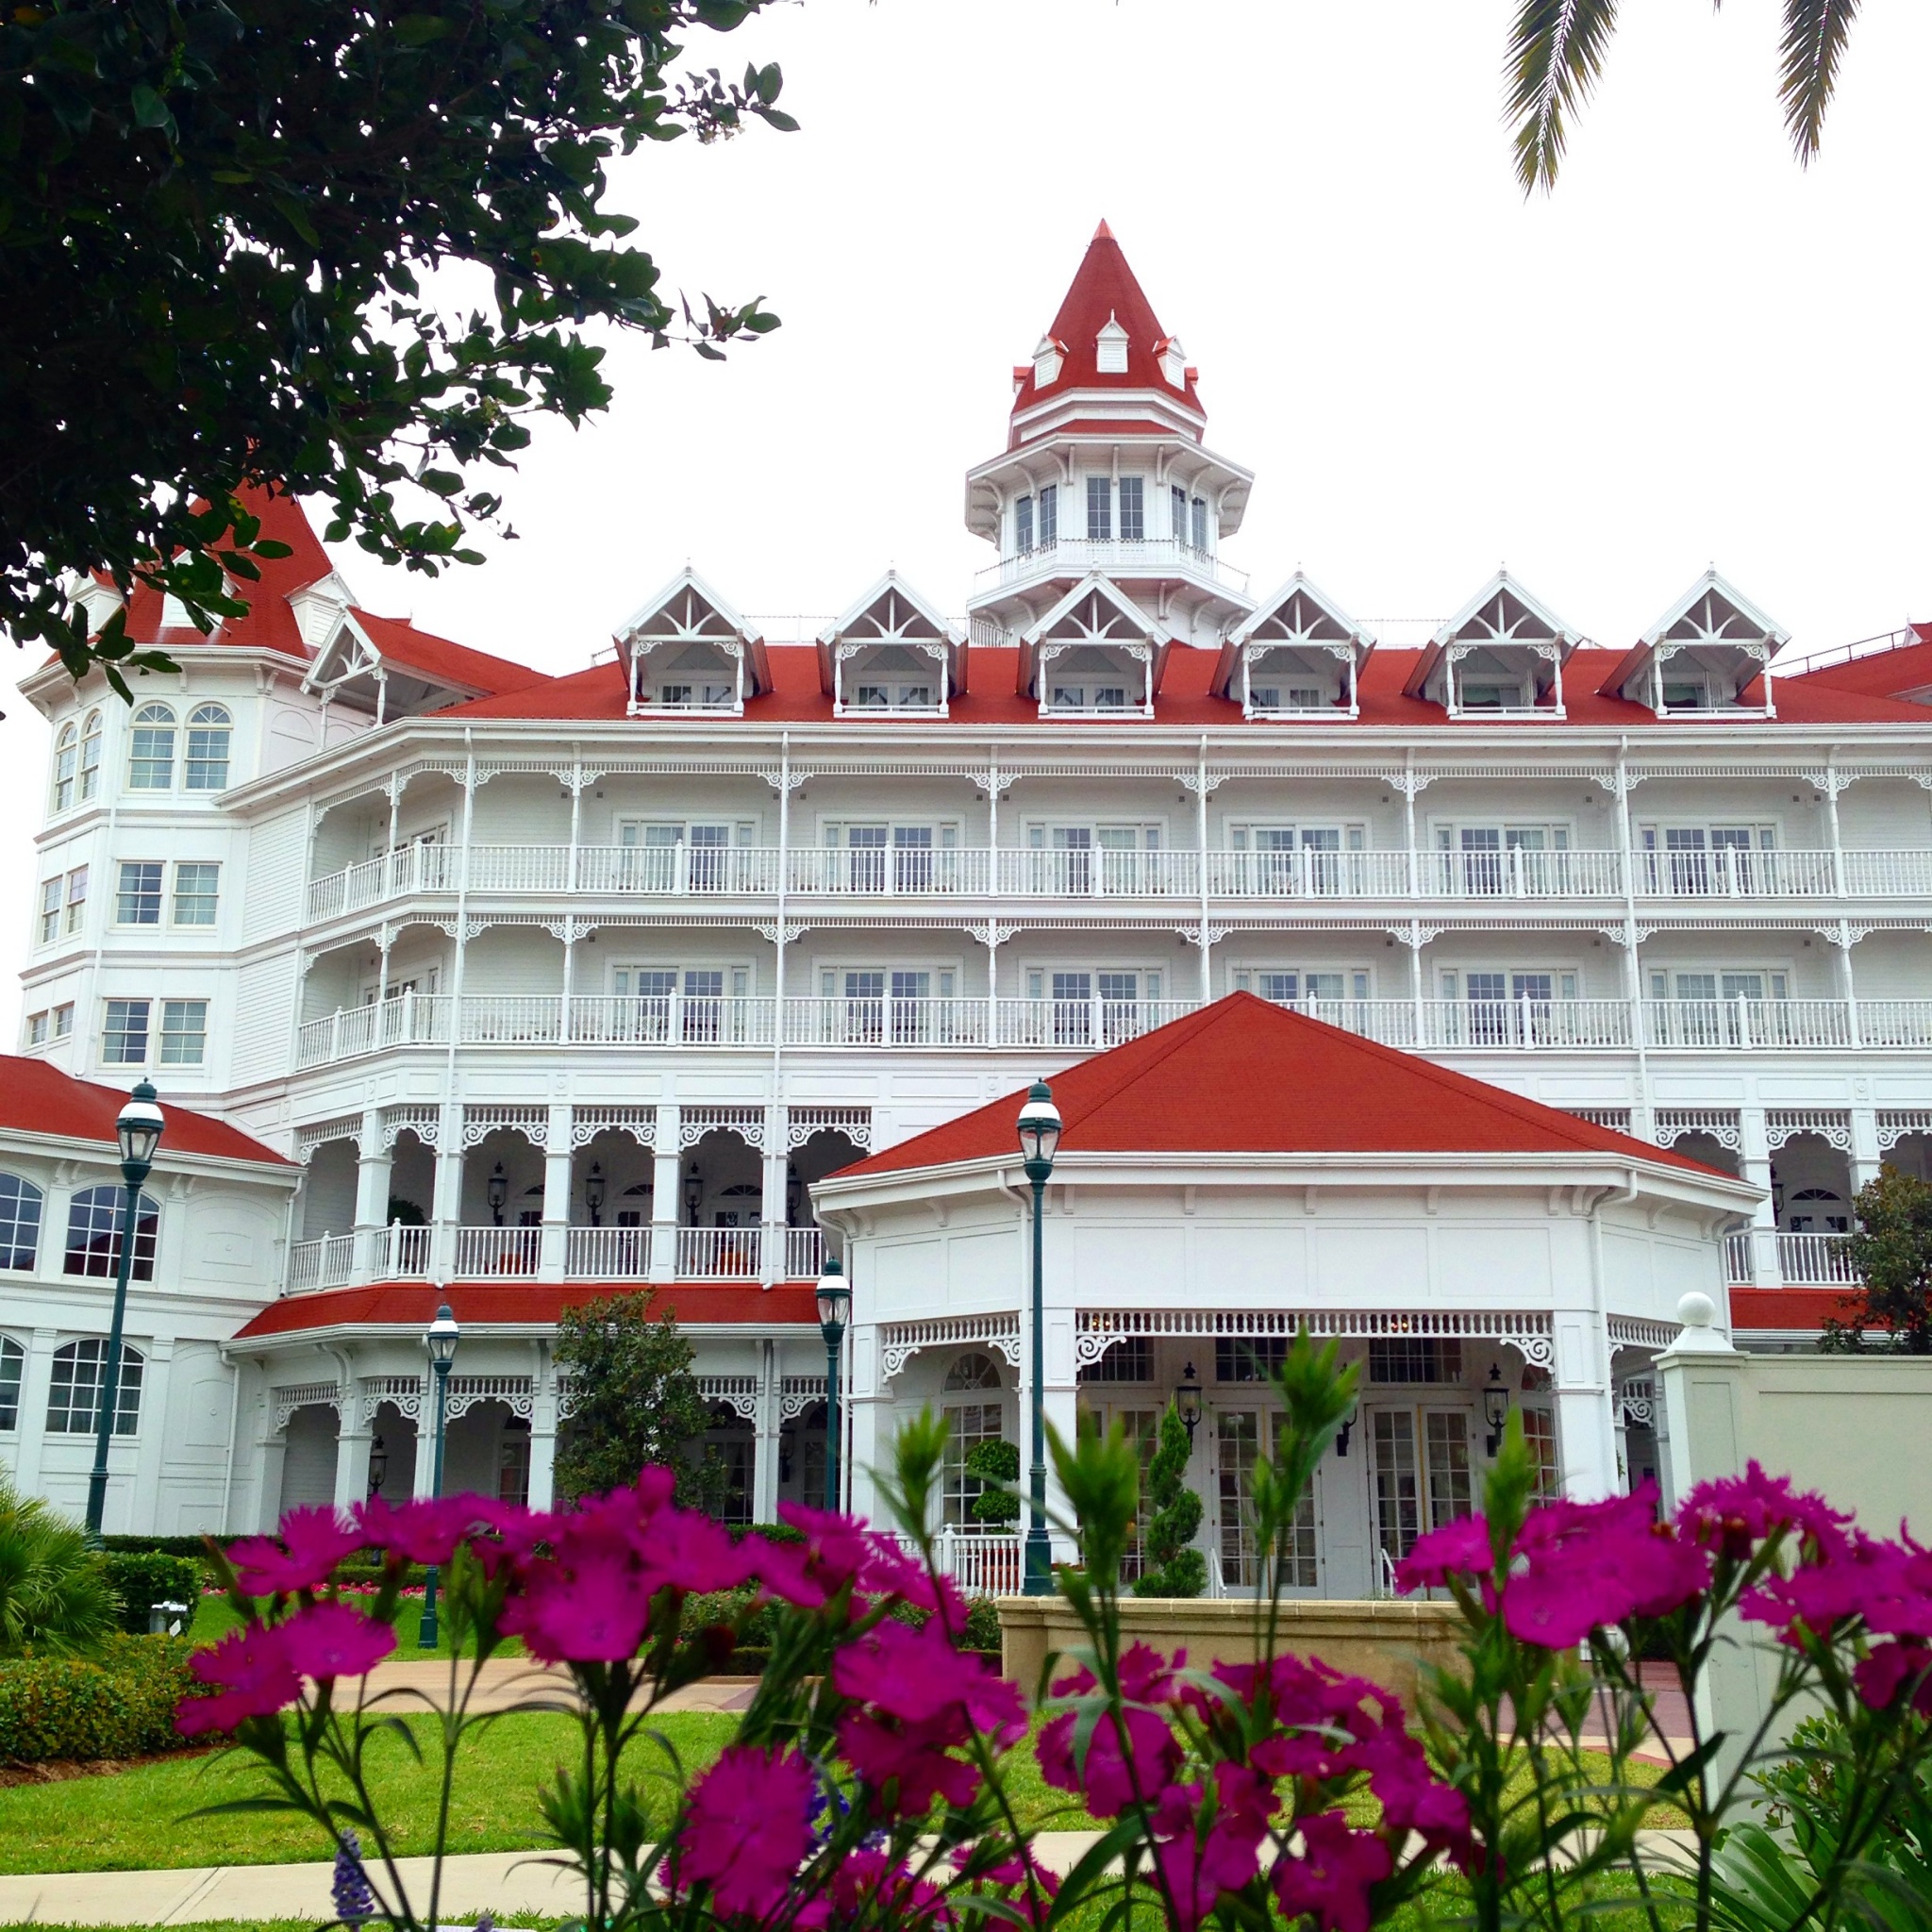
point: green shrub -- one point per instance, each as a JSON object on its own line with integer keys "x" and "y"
{"x": 982, "y": 1631}
{"x": 994, "y": 1464}
{"x": 156, "y": 1546}
{"x": 121, "y": 1707}
{"x": 143, "y": 1578}
{"x": 53, "y": 1592}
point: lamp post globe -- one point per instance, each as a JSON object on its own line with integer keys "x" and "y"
{"x": 440, "y": 1343}
{"x": 138, "y": 1133}
{"x": 1039, "y": 1128}
{"x": 833, "y": 1300}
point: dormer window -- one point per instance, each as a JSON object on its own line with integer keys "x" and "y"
{"x": 1478, "y": 694}
{"x": 893, "y": 697}
{"x": 1501, "y": 655}
{"x": 1701, "y": 656}
{"x": 1095, "y": 654}
{"x": 1047, "y": 361}
{"x": 1111, "y": 349}
{"x": 892, "y": 652}
{"x": 1174, "y": 362}
{"x": 694, "y": 697}
{"x": 1088, "y": 697}
{"x": 1297, "y": 654}
{"x": 691, "y": 654}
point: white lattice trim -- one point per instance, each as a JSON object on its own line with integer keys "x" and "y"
{"x": 747, "y": 1122}
{"x": 1636, "y": 1331}
{"x": 1720, "y": 1122}
{"x": 639, "y": 1122}
{"x": 425, "y": 1122}
{"x": 1526, "y": 1330}
{"x": 1896, "y": 1123}
{"x": 740, "y": 1393}
{"x": 465, "y": 1392}
{"x": 1832, "y": 1125}
{"x": 798, "y": 1394}
{"x": 404, "y": 1393}
{"x": 854, "y": 1122}
{"x": 901, "y": 1341}
{"x": 304, "y": 1395}
{"x": 347, "y": 1127}
{"x": 566, "y": 1396}
{"x": 1637, "y": 1401}
{"x": 1617, "y": 1118}
{"x": 481, "y": 1120}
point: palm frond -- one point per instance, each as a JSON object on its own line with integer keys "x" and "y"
{"x": 1555, "y": 57}
{"x": 1814, "y": 43}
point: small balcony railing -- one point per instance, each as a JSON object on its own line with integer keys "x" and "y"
{"x": 608, "y": 1254}
{"x": 719, "y": 1253}
{"x": 1740, "y": 1023}
{"x": 1815, "y": 1260}
{"x": 890, "y": 872}
{"x": 804, "y": 1253}
{"x": 484, "y": 1254}
{"x": 1117, "y": 557}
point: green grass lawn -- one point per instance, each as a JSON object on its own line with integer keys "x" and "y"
{"x": 216, "y": 1618}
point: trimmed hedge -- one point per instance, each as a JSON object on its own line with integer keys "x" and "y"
{"x": 118, "y": 1706}
{"x": 156, "y": 1546}
{"x": 142, "y": 1578}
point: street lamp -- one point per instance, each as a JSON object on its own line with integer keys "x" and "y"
{"x": 693, "y": 1193}
{"x": 1186, "y": 1400}
{"x": 1040, "y": 1139}
{"x": 1496, "y": 1408}
{"x": 497, "y": 1191}
{"x": 834, "y": 1301}
{"x": 593, "y": 1194}
{"x": 139, "y": 1131}
{"x": 439, "y": 1341}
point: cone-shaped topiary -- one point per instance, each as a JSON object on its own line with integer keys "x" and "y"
{"x": 994, "y": 1463}
{"x": 1174, "y": 1567}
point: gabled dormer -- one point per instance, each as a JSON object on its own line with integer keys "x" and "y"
{"x": 1701, "y": 656}
{"x": 1110, "y": 347}
{"x": 319, "y": 606}
{"x": 386, "y": 668}
{"x": 1299, "y": 656}
{"x": 891, "y": 652}
{"x": 687, "y": 652}
{"x": 1501, "y": 655}
{"x": 1094, "y": 655}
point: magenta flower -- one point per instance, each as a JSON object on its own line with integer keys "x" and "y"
{"x": 1585, "y": 1565}
{"x": 1846, "y": 1583}
{"x": 836, "y": 1547}
{"x": 691, "y": 1551}
{"x": 746, "y": 1829}
{"x": 1412, "y": 1796}
{"x": 915, "y": 1676}
{"x": 254, "y": 1678}
{"x": 912, "y": 1761}
{"x": 425, "y": 1529}
{"x": 314, "y": 1540}
{"x": 1459, "y": 1548}
{"x": 1110, "y": 1779}
{"x": 327, "y": 1641}
{"x": 1331, "y": 1875}
{"x": 1736, "y": 1513}
{"x": 1890, "y": 1669}
{"x": 1203, "y": 1849}
{"x": 592, "y": 1610}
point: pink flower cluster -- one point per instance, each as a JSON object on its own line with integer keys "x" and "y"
{"x": 1329, "y": 1731}
{"x": 258, "y": 1671}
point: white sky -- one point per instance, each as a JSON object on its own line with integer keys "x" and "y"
{"x": 1694, "y": 351}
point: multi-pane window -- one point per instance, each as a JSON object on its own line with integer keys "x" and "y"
{"x": 1049, "y": 514}
{"x": 151, "y": 750}
{"x": 1133, "y": 509}
{"x": 76, "y": 898}
{"x": 1248, "y": 1357}
{"x": 1200, "y": 512}
{"x": 36, "y": 1030}
{"x": 93, "y": 1233}
{"x": 1099, "y": 509}
{"x": 66, "y": 761}
{"x": 52, "y": 891}
{"x": 1415, "y": 1359}
{"x": 74, "y": 1395}
{"x": 1131, "y": 1361}
{"x": 91, "y": 757}
{"x": 969, "y": 1424}
{"x": 138, "y": 896}
{"x": 1237, "y": 1441}
{"x": 1178, "y": 511}
{"x": 63, "y": 903}
{"x": 20, "y": 1222}
{"x": 1421, "y": 1485}
{"x": 1539, "y": 1438}
{"x": 196, "y": 886}
{"x": 1022, "y": 525}
{"x": 55, "y": 1024}
{"x": 184, "y": 1032}
{"x": 205, "y": 767}
{"x": 12, "y": 1370}
{"x": 124, "y": 1036}
{"x": 62, "y": 1018}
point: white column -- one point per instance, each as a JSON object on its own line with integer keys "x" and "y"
{"x": 355, "y": 1437}
{"x": 764, "y": 1465}
{"x": 666, "y": 1196}
{"x": 544, "y": 1431}
{"x": 35, "y": 1377}
{"x": 1586, "y": 1422}
{"x": 373, "y": 1164}
{"x": 556, "y": 1158}
{"x": 773, "y": 1203}
{"x": 144, "y": 1503}
{"x": 1755, "y": 1153}
{"x": 270, "y": 1450}
{"x": 447, "y": 1204}
{"x": 426, "y": 1437}
{"x": 868, "y": 1409}
{"x": 1865, "y": 1158}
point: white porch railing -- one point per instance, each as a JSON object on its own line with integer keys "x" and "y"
{"x": 679, "y": 872}
{"x": 484, "y": 1253}
{"x": 410, "y": 1020}
{"x": 1896, "y": 1022}
{"x": 1098, "y": 872}
{"x": 1524, "y": 1024}
{"x": 1162, "y": 556}
{"x": 981, "y": 1565}
{"x": 1080, "y": 1025}
{"x": 1814, "y": 1260}
{"x": 399, "y": 1253}
{"x": 804, "y": 1253}
{"x": 608, "y": 1254}
{"x": 326, "y": 1262}
{"x": 897, "y": 872}
{"x": 1737, "y": 1267}
{"x": 718, "y": 1254}
{"x": 1746, "y": 1023}
{"x": 1304, "y": 873}
{"x": 1732, "y": 872}
{"x": 829, "y": 1021}
{"x": 1518, "y": 874}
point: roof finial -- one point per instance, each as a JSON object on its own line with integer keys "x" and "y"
{"x": 1103, "y": 233}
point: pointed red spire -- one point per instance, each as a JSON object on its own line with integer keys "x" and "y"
{"x": 1103, "y": 233}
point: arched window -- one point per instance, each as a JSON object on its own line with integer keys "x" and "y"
{"x": 150, "y": 754}
{"x": 74, "y": 1396}
{"x": 205, "y": 766}
{"x": 20, "y": 1222}
{"x": 90, "y": 757}
{"x": 66, "y": 753}
{"x": 972, "y": 1371}
{"x": 93, "y": 1233}
{"x": 12, "y": 1368}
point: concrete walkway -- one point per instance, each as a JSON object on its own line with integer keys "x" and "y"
{"x": 504, "y": 1683}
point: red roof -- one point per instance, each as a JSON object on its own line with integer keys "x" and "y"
{"x": 1242, "y": 1077}
{"x": 1883, "y": 675}
{"x": 1104, "y": 289}
{"x": 36, "y": 1098}
{"x": 439, "y": 661}
{"x": 535, "y": 1303}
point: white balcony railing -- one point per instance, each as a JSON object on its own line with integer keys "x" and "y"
{"x": 1814, "y": 1260}
{"x": 410, "y": 1020}
{"x": 1707, "y": 1024}
{"x": 898, "y": 871}
{"x": 804, "y": 1253}
{"x": 670, "y": 1020}
{"x": 1098, "y": 872}
{"x": 1304, "y": 873}
{"x": 679, "y": 871}
{"x": 828, "y": 1021}
{"x": 1733, "y": 871}
{"x": 608, "y": 1254}
{"x": 1078, "y": 1026}
{"x": 485, "y": 1253}
{"x": 1523, "y": 1023}
{"x": 327, "y": 1262}
{"x": 399, "y": 1253}
{"x": 1737, "y": 1268}
{"x": 719, "y": 1253}
{"x": 1141, "y": 557}
{"x": 1516, "y": 875}
{"x": 982, "y": 1564}
{"x": 1896, "y": 1022}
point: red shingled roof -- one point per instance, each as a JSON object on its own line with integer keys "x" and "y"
{"x": 412, "y": 1305}
{"x": 1242, "y": 1077}
{"x": 440, "y": 661}
{"x": 1883, "y": 675}
{"x": 36, "y": 1098}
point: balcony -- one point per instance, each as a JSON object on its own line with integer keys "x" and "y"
{"x": 608, "y": 1254}
{"x": 1803, "y": 1260}
{"x": 1076, "y": 557}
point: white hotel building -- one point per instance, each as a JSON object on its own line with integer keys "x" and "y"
{"x": 557, "y": 985}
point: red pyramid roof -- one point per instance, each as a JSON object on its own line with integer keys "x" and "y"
{"x": 1242, "y": 1077}
{"x": 36, "y": 1098}
{"x": 1104, "y": 288}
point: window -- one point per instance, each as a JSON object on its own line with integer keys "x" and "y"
{"x": 1238, "y": 1440}
{"x": 91, "y": 757}
{"x": 52, "y": 893}
{"x": 63, "y": 1019}
{"x": 1200, "y": 524}
{"x": 1133, "y": 510}
{"x": 66, "y": 756}
{"x": 1022, "y": 525}
{"x": 184, "y": 1032}
{"x": 124, "y": 1039}
{"x": 138, "y": 898}
{"x": 57, "y": 1024}
{"x": 1131, "y": 1361}
{"x": 76, "y": 898}
{"x": 893, "y": 697}
{"x": 1049, "y": 515}
{"x": 1178, "y": 511}
{"x": 969, "y": 1424}
{"x": 74, "y": 1398}
{"x": 93, "y": 1233}
{"x": 36, "y": 1030}
{"x": 20, "y": 1222}
{"x": 1415, "y": 1359}
{"x": 1099, "y": 509}
{"x": 195, "y": 888}
{"x": 206, "y": 767}
{"x": 1248, "y": 1358}
{"x": 1539, "y": 1438}
{"x": 694, "y": 697}
{"x": 12, "y": 1367}
{"x": 151, "y": 753}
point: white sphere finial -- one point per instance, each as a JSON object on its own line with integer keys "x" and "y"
{"x": 1697, "y": 1311}
{"x": 1700, "y": 1334}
